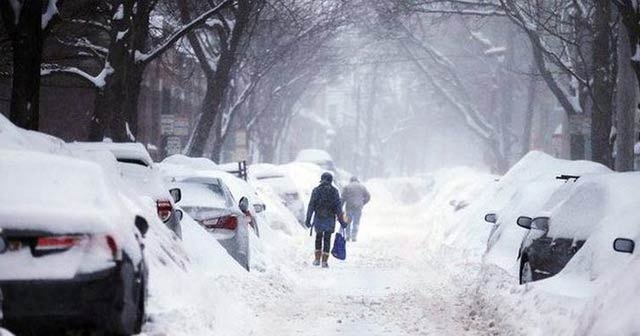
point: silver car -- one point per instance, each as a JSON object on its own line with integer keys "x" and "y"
{"x": 210, "y": 203}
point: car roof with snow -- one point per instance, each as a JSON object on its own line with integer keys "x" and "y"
{"x": 593, "y": 198}
{"x": 57, "y": 194}
{"x": 131, "y": 152}
{"x": 313, "y": 155}
{"x": 191, "y": 162}
{"x": 265, "y": 171}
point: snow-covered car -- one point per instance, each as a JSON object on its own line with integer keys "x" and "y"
{"x": 240, "y": 189}
{"x": 139, "y": 171}
{"x": 542, "y": 256}
{"x": 210, "y": 203}
{"x": 182, "y": 166}
{"x": 71, "y": 247}
{"x": 283, "y": 185}
{"x": 318, "y": 157}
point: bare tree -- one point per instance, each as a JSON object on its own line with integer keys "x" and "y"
{"x": 26, "y": 26}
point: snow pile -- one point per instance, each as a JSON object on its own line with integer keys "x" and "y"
{"x": 597, "y": 207}
{"x": 200, "y": 297}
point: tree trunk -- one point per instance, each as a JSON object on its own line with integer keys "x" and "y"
{"x": 109, "y": 116}
{"x": 602, "y": 85}
{"x": 506, "y": 101}
{"x": 631, "y": 20}
{"x": 27, "y": 55}
{"x": 626, "y": 98}
{"x": 528, "y": 118}
{"x": 217, "y": 87}
{"x": 140, "y": 39}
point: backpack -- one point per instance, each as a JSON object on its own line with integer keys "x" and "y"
{"x": 326, "y": 201}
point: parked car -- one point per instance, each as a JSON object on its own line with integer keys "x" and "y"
{"x": 317, "y": 156}
{"x": 283, "y": 185}
{"x": 71, "y": 248}
{"x": 540, "y": 255}
{"x": 182, "y": 166}
{"x": 210, "y": 203}
{"x": 138, "y": 170}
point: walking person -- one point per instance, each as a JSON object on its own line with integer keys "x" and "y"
{"x": 324, "y": 207}
{"x": 355, "y": 196}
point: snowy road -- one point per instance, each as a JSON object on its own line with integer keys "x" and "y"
{"x": 387, "y": 286}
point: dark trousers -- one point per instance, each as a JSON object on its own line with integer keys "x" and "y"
{"x": 323, "y": 241}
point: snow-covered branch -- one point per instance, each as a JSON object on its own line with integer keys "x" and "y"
{"x": 52, "y": 10}
{"x": 97, "y": 81}
{"x": 184, "y": 30}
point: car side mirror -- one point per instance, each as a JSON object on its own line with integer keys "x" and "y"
{"x": 180, "y": 214}
{"x": 491, "y": 218}
{"x": 524, "y": 222}
{"x": 3, "y": 244}
{"x": 259, "y": 208}
{"x": 244, "y": 204}
{"x": 624, "y": 245}
{"x": 176, "y": 193}
{"x": 142, "y": 225}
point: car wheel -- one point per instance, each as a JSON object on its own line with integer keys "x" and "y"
{"x": 127, "y": 314}
{"x": 140, "y": 315}
{"x": 526, "y": 272}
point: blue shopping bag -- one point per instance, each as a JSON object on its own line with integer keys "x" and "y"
{"x": 339, "y": 250}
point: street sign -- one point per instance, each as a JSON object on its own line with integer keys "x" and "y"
{"x": 167, "y": 124}
{"x": 181, "y": 126}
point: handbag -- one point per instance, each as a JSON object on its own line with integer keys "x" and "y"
{"x": 339, "y": 250}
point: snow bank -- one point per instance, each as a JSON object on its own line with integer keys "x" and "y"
{"x": 599, "y": 207}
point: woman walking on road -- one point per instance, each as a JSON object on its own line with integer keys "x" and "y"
{"x": 324, "y": 207}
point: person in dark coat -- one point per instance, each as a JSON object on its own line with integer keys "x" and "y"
{"x": 355, "y": 196}
{"x": 324, "y": 207}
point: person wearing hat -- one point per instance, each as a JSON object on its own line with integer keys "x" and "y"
{"x": 355, "y": 196}
{"x": 325, "y": 207}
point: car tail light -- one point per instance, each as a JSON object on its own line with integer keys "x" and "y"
{"x": 164, "y": 210}
{"x": 226, "y": 222}
{"x": 113, "y": 246}
{"x": 57, "y": 243}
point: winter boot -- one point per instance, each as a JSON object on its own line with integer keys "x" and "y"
{"x": 325, "y": 259}
{"x": 316, "y": 262}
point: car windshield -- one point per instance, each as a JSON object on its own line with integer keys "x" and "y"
{"x": 198, "y": 194}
